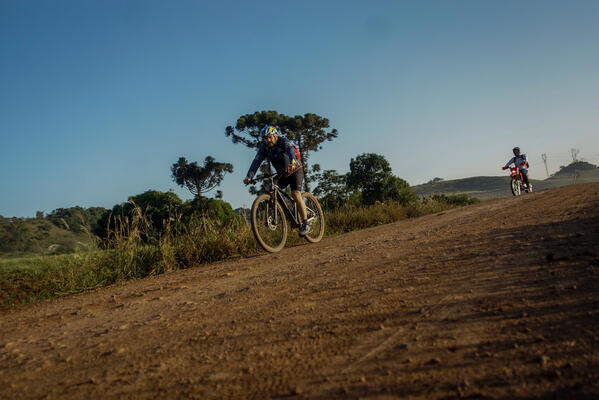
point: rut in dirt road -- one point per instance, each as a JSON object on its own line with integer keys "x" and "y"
{"x": 495, "y": 300}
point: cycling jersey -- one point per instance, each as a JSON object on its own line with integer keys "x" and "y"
{"x": 280, "y": 155}
{"x": 519, "y": 161}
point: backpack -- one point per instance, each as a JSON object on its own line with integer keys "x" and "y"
{"x": 297, "y": 152}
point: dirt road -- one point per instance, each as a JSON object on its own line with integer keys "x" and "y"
{"x": 496, "y": 300}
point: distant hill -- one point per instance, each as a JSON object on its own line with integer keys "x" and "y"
{"x": 38, "y": 236}
{"x": 488, "y": 187}
{"x": 575, "y": 168}
{"x": 64, "y": 230}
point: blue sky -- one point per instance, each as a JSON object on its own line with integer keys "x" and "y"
{"x": 98, "y": 99}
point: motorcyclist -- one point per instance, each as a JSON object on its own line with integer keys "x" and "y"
{"x": 519, "y": 160}
{"x": 281, "y": 153}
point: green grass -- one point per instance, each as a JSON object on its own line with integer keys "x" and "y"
{"x": 128, "y": 256}
{"x": 25, "y": 263}
{"x": 25, "y": 280}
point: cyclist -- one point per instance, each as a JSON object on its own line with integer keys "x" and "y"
{"x": 281, "y": 152}
{"x": 522, "y": 164}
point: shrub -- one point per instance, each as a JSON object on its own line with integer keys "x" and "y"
{"x": 351, "y": 217}
{"x": 455, "y": 199}
{"x": 184, "y": 242}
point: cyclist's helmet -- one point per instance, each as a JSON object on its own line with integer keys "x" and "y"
{"x": 516, "y": 151}
{"x": 269, "y": 130}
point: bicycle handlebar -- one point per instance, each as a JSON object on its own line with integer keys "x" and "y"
{"x": 263, "y": 177}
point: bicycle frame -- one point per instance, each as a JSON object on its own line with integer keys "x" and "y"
{"x": 274, "y": 211}
{"x": 279, "y": 196}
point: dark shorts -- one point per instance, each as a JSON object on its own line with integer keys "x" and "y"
{"x": 294, "y": 180}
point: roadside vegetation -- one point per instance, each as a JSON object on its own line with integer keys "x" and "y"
{"x": 72, "y": 250}
{"x": 134, "y": 249}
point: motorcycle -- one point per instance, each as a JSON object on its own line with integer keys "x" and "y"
{"x": 516, "y": 183}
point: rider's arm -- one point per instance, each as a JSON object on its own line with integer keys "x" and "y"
{"x": 257, "y": 161}
{"x": 510, "y": 162}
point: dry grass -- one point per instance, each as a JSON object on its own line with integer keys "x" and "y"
{"x": 350, "y": 218}
{"x": 130, "y": 252}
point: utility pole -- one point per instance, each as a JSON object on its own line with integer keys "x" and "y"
{"x": 544, "y": 157}
{"x": 574, "y": 153}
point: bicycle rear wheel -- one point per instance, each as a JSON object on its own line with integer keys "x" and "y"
{"x": 315, "y": 218}
{"x": 270, "y": 228}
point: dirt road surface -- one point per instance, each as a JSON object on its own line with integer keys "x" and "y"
{"x": 495, "y": 300}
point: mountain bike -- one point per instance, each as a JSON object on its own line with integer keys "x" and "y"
{"x": 270, "y": 212}
{"x": 516, "y": 183}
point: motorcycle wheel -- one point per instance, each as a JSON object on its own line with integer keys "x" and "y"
{"x": 516, "y": 187}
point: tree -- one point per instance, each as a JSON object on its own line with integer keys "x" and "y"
{"x": 371, "y": 174}
{"x": 308, "y": 131}
{"x": 197, "y": 179}
{"x": 247, "y": 131}
{"x": 214, "y": 209}
{"x": 248, "y": 127}
{"x": 158, "y": 208}
{"x": 399, "y": 190}
{"x": 435, "y": 180}
{"x": 332, "y": 190}
{"x": 76, "y": 218}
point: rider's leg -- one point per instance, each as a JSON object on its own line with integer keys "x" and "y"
{"x": 525, "y": 177}
{"x": 301, "y": 209}
{"x": 295, "y": 182}
{"x": 296, "y": 186}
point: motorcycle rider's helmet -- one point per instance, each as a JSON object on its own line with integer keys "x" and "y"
{"x": 516, "y": 151}
{"x": 269, "y": 130}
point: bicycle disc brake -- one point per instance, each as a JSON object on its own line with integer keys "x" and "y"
{"x": 271, "y": 224}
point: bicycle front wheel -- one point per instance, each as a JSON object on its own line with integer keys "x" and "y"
{"x": 269, "y": 224}
{"x": 315, "y": 218}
